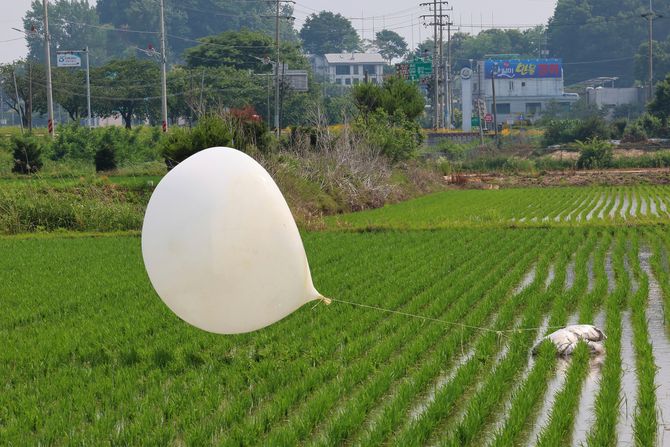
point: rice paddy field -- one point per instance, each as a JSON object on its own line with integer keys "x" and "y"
{"x": 457, "y": 287}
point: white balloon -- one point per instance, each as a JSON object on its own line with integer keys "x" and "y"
{"x": 221, "y": 247}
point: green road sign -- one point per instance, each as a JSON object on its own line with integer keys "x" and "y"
{"x": 420, "y": 68}
{"x": 474, "y": 122}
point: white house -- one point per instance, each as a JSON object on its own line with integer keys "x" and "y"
{"x": 349, "y": 68}
{"x": 523, "y": 88}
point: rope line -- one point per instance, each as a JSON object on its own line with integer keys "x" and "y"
{"x": 435, "y": 320}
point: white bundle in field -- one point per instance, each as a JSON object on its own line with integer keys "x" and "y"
{"x": 567, "y": 338}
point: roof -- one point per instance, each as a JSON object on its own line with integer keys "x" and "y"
{"x": 354, "y": 58}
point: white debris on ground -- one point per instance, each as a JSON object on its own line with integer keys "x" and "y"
{"x": 567, "y": 338}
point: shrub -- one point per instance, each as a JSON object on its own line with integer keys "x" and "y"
{"x": 652, "y": 125}
{"x": 590, "y": 128}
{"x": 27, "y": 153}
{"x": 395, "y": 136}
{"x": 567, "y": 131}
{"x": 105, "y": 156}
{"x": 180, "y": 143}
{"x": 73, "y": 142}
{"x": 634, "y": 133}
{"x": 595, "y": 154}
{"x": 559, "y": 131}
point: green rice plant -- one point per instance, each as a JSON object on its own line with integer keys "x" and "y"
{"x": 560, "y": 422}
{"x": 604, "y": 430}
{"x": 645, "y": 422}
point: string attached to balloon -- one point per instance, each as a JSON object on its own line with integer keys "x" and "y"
{"x": 439, "y": 320}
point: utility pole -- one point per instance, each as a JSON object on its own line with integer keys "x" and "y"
{"x": 436, "y": 7}
{"x": 164, "y": 108}
{"x": 650, "y": 16}
{"x": 494, "y": 72}
{"x": 88, "y": 90}
{"x": 47, "y": 51}
{"x": 277, "y": 55}
{"x": 18, "y": 101}
{"x": 278, "y": 4}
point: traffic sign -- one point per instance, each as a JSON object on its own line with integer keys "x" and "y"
{"x": 474, "y": 121}
{"x": 488, "y": 118}
{"x": 420, "y": 68}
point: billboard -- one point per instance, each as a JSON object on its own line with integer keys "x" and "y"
{"x": 523, "y": 68}
{"x": 68, "y": 60}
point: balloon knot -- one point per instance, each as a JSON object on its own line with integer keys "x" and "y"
{"x": 326, "y": 301}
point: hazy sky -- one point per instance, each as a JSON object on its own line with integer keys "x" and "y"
{"x": 401, "y": 16}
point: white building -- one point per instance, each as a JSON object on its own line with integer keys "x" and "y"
{"x": 613, "y": 97}
{"x": 349, "y": 68}
{"x": 523, "y": 88}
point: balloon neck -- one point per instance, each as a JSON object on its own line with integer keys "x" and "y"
{"x": 326, "y": 301}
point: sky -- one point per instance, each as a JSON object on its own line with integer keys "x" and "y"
{"x": 401, "y": 16}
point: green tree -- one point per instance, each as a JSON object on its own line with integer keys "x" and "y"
{"x": 73, "y": 25}
{"x": 399, "y": 96}
{"x": 30, "y": 85}
{"x": 391, "y": 44}
{"x": 187, "y": 21}
{"x": 127, "y": 87}
{"x": 599, "y": 38}
{"x": 69, "y": 90}
{"x": 243, "y": 50}
{"x": 394, "y": 97}
{"x": 326, "y": 32}
{"x": 660, "y": 106}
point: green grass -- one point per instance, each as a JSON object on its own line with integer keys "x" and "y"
{"x": 92, "y": 356}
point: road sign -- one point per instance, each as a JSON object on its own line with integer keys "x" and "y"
{"x": 68, "y": 60}
{"x": 402, "y": 70}
{"x": 420, "y": 68}
{"x": 474, "y": 121}
{"x": 488, "y": 118}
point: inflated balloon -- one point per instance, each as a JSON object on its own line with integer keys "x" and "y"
{"x": 221, "y": 247}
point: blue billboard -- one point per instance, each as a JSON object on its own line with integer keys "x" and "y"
{"x": 523, "y": 68}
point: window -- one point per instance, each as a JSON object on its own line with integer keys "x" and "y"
{"x": 511, "y": 86}
{"x": 523, "y": 84}
{"x": 342, "y": 70}
{"x": 533, "y": 108}
{"x": 356, "y": 67}
{"x": 338, "y": 81}
{"x": 371, "y": 70}
{"x": 503, "y": 108}
{"x": 356, "y": 81}
{"x": 347, "y": 81}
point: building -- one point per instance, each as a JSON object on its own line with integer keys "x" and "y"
{"x": 349, "y": 68}
{"x": 523, "y": 88}
{"x": 609, "y": 97}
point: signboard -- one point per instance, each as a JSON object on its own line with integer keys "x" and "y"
{"x": 488, "y": 118}
{"x": 420, "y": 68}
{"x": 523, "y": 68}
{"x": 297, "y": 80}
{"x": 402, "y": 70}
{"x": 474, "y": 121}
{"x": 68, "y": 60}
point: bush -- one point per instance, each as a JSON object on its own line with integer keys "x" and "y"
{"x": 27, "y": 153}
{"x": 395, "y": 136}
{"x": 559, "y": 131}
{"x": 105, "y": 156}
{"x": 590, "y": 128}
{"x": 652, "y": 125}
{"x": 634, "y": 133}
{"x": 595, "y": 154}
{"x": 567, "y": 131}
{"x": 179, "y": 144}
